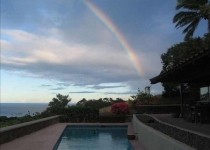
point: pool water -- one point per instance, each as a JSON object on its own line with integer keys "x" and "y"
{"x": 94, "y": 138}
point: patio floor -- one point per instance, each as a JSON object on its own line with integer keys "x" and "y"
{"x": 180, "y": 122}
{"x": 43, "y": 139}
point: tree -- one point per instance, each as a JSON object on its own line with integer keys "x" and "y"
{"x": 179, "y": 52}
{"x": 97, "y": 104}
{"x": 81, "y": 102}
{"x": 192, "y": 12}
{"x": 119, "y": 100}
{"x": 58, "y": 104}
{"x": 141, "y": 98}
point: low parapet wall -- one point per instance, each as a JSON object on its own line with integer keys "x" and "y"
{"x": 158, "y": 109}
{"x": 152, "y": 139}
{"x": 12, "y": 132}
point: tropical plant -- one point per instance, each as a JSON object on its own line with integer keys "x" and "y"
{"x": 8, "y": 121}
{"x": 141, "y": 98}
{"x": 58, "y": 104}
{"x": 192, "y": 12}
{"x": 97, "y": 104}
{"x": 80, "y": 114}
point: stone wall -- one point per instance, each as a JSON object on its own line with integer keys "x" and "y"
{"x": 12, "y": 132}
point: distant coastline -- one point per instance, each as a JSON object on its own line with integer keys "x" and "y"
{"x": 21, "y": 109}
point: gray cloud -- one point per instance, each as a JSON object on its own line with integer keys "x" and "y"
{"x": 120, "y": 93}
{"x": 106, "y": 87}
{"x": 46, "y": 85}
{"x": 58, "y": 88}
{"x": 79, "y": 70}
{"x": 84, "y": 52}
{"x": 73, "y": 65}
{"x": 63, "y": 84}
{"x": 83, "y": 92}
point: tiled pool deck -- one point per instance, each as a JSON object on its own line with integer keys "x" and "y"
{"x": 43, "y": 139}
{"x": 46, "y": 138}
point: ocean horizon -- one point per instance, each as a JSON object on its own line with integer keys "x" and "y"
{"x": 21, "y": 109}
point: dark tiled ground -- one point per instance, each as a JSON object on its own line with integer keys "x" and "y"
{"x": 180, "y": 122}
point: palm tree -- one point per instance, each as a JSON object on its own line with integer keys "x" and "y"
{"x": 192, "y": 12}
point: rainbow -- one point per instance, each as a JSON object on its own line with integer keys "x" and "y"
{"x": 119, "y": 36}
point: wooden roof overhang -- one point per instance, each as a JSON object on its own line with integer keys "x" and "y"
{"x": 195, "y": 69}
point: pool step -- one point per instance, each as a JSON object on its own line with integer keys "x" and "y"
{"x": 130, "y": 133}
{"x": 137, "y": 145}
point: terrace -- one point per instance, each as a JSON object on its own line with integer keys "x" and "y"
{"x": 46, "y": 137}
{"x": 28, "y": 137}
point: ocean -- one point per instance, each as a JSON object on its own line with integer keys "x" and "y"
{"x": 21, "y": 109}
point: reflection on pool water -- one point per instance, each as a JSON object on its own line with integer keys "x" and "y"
{"x": 79, "y": 137}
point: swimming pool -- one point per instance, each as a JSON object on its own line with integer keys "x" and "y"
{"x": 80, "y": 137}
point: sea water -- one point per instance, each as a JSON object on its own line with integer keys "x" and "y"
{"x": 21, "y": 109}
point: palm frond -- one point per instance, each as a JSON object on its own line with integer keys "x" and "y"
{"x": 190, "y": 29}
{"x": 192, "y": 11}
{"x": 209, "y": 26}
{"x": 183, "y": 18}
{"x": 190, "y": 4}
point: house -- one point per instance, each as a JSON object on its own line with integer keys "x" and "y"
{"x": 194, "y": 70}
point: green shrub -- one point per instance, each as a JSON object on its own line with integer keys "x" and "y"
{"x": 8, "y": 121}
{"x": 80, "y": 114}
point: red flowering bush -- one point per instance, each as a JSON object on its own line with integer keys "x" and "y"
{"x": 121, "y": 108}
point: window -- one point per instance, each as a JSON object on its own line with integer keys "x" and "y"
{"x": 205, "y": 93}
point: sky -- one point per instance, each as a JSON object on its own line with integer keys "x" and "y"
{"x": 83, "y": 48}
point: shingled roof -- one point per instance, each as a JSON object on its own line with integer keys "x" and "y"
{"x": 195, "y": 69}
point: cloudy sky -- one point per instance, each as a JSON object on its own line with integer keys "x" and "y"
{"x": 84, "y": 48}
